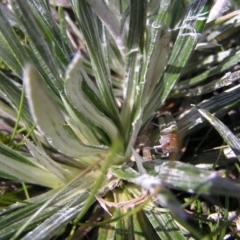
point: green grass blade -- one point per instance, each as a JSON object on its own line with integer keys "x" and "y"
{"x": 186, "y": 177}
{"x": 208, "y": 61}
{"x": 63, "y": 173}
{"x": 12, "y": 222}
{"x": 223, "y": 130}
{"x": 16, "y": 169}
{"x": 92, "y": 32}
{"x": 158, "y": 60}
{"x": 109, "y": 20}
{"x": 70, "y": 198}
{"x": 81, "y": 127}
{"x": 182, "y": 176}
{"x": 7, "y": 112}
{"x": 226, "y": 80}
{"x": 158, "y": 221}
{"x": 134, "y": 52}
{"x": 150, "y": 69}
{"x": 73, "y": 200}
{"x": 43, "y": 52}
{"x": 57, "y": 220}
{"x": 164, "y": 224}
{"x": 223, "y": 66}
{"x": 13, "y": 95}
{"x": 12, "y": 51}
{"x": 157, "y": 52}
{"x": 181, "y": 52}
{"x": 60, "y": 43}
{"x": 107, "y": 232}
{"x": 163, "y": 196}
{"x": 191, "y": 120}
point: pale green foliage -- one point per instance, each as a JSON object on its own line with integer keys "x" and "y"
{"x": 89, "y": 111}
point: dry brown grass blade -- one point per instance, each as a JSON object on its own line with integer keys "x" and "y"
{"x": 126, "y": 204}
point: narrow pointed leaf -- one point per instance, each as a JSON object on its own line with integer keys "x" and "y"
{"x": 163, "y": 196}
{"x": 228, "y": 79}
{"x": 109, "y": 20}
{"x": 181, "y": 52}
{"x": 191, "y": 120}
{"x": 92, "y": 31}
{"x": 164, "y": 224}
{"x": 12, "y": 51}
{"x": 80, "y": 126}
{"x": 15, "y": 169}
{"x": 158, "y": 59}
{"x": 184, "y": 177}
{"x": 189, "y": 178}
{"x": 134, "y": 57}
{"x": 221, "y": 67}
{"x": 62, "y": 48}
{"x": 62, "y": 173}
{"x": 223, "y": 130}
{"x": 107, "y": 231}
{"x": 12, "y": 95}
{"x": 71, "y": 206}
{"x": 73, "y": 88}
{"x": 35, "y": 35}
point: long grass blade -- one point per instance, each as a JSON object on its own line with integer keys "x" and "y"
{"x": 92, "y": 32}
{"x": 185, "y": 43}
{"x": 223, "y": 130}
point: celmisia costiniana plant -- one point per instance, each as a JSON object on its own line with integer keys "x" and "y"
{"x": 91, "y": 84}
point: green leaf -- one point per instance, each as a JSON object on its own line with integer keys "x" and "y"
{"x": 155, "y": 187}
{"x": 46, "y": 63}
{"x": 226, "y": 80}
{"x": 158, "y": 60}
{"x": 15, "y": 166}
{"x": 181, "y": 52}
{"x": 62, "y": 49}
{"x": 188, "y": 178}
{"x": 163, "y": 196}
{"x": 164, "y": 225}
{"x": 191, "y": 120}
{"x": 17, "y": 219}
{"x": 13, "y": 95}
{"x": 46, "y": 211}
{"x": 157, "y": 51}
{"x": 62, "y": 172}
{"x": 12, "y": 51}
{"x": 207, "y": 61}
{"x": 72, "y": 200}
{"x": 91, "y": 29}
{"x": 161, "y": 220}
{"x": 221, "y": 67}
{"x": 181, "y": 176}
{"x": 7, "y": 112}
{"x": 80, "y": 101}
{"x": 80, "y": 127}
{"x": 134, "y": 57}
{"x": 151, "y": 68}
{"x": 223, "y": 130}
{"x": 56, "y": 220}
{"x": 109, "y": 20}
{"x": 50, "y": 120}
{"x": 227, "y": 25}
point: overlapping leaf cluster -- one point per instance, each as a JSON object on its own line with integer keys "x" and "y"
{"x": 90, "y": 102}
